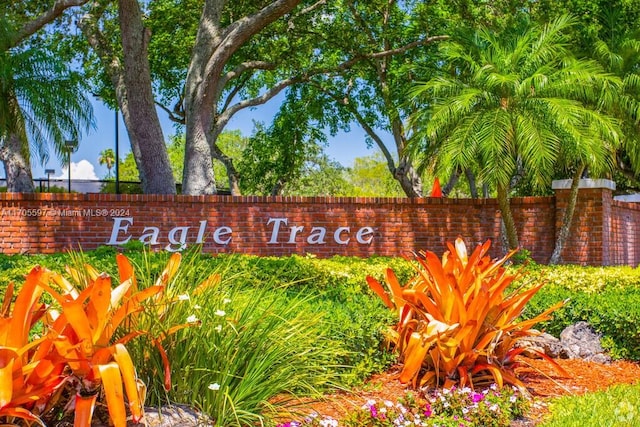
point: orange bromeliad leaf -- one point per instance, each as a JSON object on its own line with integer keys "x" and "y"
{"x": 112, "y": 383}
{"x": 84, "y": 406}
{"x": 21, "y": 413}
{"x": 7, "y": 358}
{"x": 21, "y": 320}
{"x": 170, "y": 270}
{"x": 209, "y": 282}
{"x": 6, "y": 303}
{"x": 121, "y": 356}
{"x": 379, "y": 290}
{"x": 126, "y": 272}
{"x": 165, "y": 364}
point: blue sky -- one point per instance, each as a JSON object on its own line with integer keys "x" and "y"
{"x": 344, "y": 147}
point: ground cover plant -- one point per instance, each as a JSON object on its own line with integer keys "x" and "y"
{"x": 315, "y": 304}
{"x": 617, "y": 406}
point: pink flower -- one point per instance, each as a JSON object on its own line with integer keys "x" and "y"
{"x": 428, "y": 411}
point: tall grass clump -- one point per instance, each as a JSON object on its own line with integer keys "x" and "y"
{"x": 249, "y": 353}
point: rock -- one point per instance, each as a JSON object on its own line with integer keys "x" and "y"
{"x": 582, "y": 342}
{"x": 577, "y": 341}
{"x": 543, "y": 343}
{"x": 173, "y": 416}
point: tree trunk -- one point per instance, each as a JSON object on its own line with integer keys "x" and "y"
{"x": 138, "y": 106}
{"x": 567, "y": 217}
{"x": 471, "y": 178}
{"x": 507, "y": 217}
{"x": 214, "y": 47}
{"x": 453, "y": 180}
{"x": 408, "y": 178}
{"x": 16, "y": 166}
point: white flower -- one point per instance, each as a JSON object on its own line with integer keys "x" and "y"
{"x": 183, "y": 297}
{"x": 388, "y": 403}
{"x": 197, "y": 307}
{"x": 218, "y": 328}
{"x": 214, "y": 386}
{"x": 329, "y": 422}
{"x": 220, "y": 313}
{"x": 226, "y": 301}
{"x": 494, "y": 407}
{"x": 192, "y": 319}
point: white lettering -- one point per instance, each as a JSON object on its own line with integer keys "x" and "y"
{"x": 181, "y": 241}
{"x": 150, "y": 238}
{"x": 294, "y": 232}
{"x": 117, "y": 228}
{"x": 177, "y": 237}
{"x": 339, "y": 231}
{"x": 276, "y": 228}
{"x": 316, "y": 237}
{"x": 203, "y": 227}
{"x": 365, "y": 235}
{"x": 220, "y": 233}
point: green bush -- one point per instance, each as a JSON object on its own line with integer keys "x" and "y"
{"x": 608, "y": 298}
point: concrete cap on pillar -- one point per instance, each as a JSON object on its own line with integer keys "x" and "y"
{"x": 565, "y": 184}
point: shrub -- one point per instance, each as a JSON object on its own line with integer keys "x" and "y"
{"x": 613, "y": 312}
{"x": 456, "y": 324}
{"x": 255, "y": 349}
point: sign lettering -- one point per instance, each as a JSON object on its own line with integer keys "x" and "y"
{"x": 279, "y": 230}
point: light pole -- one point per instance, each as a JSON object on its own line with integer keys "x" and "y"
{"x": 117, "y": 154}
{"x": 70, "y": 146}
{"x": 49, "y": 172}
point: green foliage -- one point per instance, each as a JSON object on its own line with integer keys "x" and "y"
{"x": 252, "y": 344}
{"x": 369, "y": 176}
{"x": 617, "y": 406}
{"x": 606, "y": 297}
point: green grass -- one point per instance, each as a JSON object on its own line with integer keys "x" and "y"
{"x": 618, "y": 406}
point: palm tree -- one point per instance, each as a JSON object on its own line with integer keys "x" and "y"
{"x": 618, "y": 50}
{"x": 108, "y": 158}
{"x": 515, "y": 104}
{"x": 42, "y": 104}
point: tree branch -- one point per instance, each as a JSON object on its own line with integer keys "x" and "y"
{"x": 311, "y": 8}
{"x": 391, "y": 165}
{"x": 226, "y": 115}
{"x": 171, "y": 113}
{"x": 47, "y": 17}
{"x": 238, "y": 70}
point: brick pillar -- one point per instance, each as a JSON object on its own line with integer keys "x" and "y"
{"x": 589, "y": 241}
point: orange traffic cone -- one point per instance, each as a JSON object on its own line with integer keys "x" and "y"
{"x": 436, "y": 191}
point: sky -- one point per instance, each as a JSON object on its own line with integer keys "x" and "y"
{"x": 344, "y": 147}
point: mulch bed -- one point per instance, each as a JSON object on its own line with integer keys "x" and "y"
{"x": 540, "y": 378}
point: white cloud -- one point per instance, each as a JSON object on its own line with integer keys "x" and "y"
{"x": 81, "y": 170}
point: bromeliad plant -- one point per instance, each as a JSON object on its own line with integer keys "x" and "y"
{"x": 81, "y": 354}
{"x": 458, "y": 324}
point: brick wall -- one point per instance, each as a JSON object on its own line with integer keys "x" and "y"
{"x": 46, "y": 223}
{"x": 625, "y": 234}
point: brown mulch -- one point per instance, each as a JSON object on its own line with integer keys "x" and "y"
{"x": 540, "y": 378}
